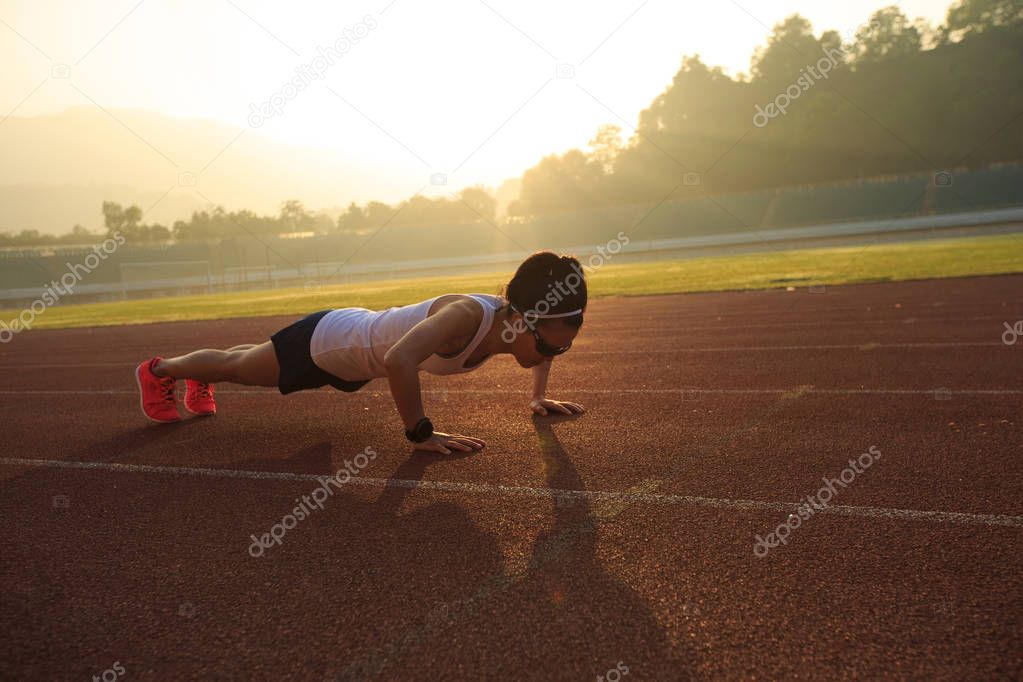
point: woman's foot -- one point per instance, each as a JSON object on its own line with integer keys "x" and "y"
{"x": 199, "y": 398}
{"x": 156, "y": 394}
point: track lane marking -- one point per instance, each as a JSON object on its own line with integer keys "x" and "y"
{"x": 865, "y": 346}
{"x": 769, "y": 392}
{"x": 961, "y": 518}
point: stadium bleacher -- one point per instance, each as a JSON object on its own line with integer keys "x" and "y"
{"x": 245, "y": 259}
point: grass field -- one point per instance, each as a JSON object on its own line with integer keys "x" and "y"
{"x": 799, "y": 268}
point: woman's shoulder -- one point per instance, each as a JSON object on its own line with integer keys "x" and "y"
{"x": 471, "y": 309}
{"x": 491, "y": 299}
{"x": 467, "y": 300}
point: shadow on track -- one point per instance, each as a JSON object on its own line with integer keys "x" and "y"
{"x": 563, "y": 617}
{"x": 375, "y": 585}
{"x": 582, "y": 618}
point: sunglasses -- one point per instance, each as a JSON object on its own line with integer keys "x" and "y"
{"x": 542, "y": 347}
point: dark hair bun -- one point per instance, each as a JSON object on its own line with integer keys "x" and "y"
{"x": 549, "y": 284}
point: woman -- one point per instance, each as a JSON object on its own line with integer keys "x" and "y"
{"x": 537, "y": 319}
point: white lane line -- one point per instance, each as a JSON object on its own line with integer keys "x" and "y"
{"x": 754, "y": 326}
{"x": 865, "y": 346}
{"x": 674, "y": 331}
{"x": 801, "y": 390}
{"x": 526, "y": 491}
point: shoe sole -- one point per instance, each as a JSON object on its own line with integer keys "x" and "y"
{"x": 199, "y": 414}
{"x": 142, "y": 406}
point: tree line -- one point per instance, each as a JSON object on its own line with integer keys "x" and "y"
{"x": 892, "y": 96}
{"x": 470, "y": 205}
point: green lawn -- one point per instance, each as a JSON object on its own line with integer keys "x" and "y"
{"x": 890, "y": 262}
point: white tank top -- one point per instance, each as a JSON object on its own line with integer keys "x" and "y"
{"x": 350, "y": 343}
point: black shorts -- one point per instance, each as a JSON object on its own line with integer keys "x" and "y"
{"x": 298, "y": 371}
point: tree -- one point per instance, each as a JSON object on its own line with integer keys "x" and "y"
{"x": 123, "y": 220}
{"x": 293, "y": 216}
{"x": 113, "y": 216}
{"x": 889, "y": 34}
{"x": 352, "y": 219}
{"x": 560, "y": 183}
{"x": 378, "y": 213}
{"x": 605, "y": 146}
{"x": 968, "y": 17}
{"x": 790, "y": 47}
{"x": 155, "y": 233}
{"x": 482, "y": 202}
{"x": 79, "y": 235}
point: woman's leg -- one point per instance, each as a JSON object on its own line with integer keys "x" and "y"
{"x": 249, "y": 364}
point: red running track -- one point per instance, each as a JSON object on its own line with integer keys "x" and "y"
{"x": 567, "y": 548}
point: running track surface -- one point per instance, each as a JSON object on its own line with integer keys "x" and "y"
{"x": 569, "y": 548}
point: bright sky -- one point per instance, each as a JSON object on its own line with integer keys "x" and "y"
{"x": 463, "y": 87}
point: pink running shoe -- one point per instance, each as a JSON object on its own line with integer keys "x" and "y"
{"x": 156, "y": 394}
{"x": 199, "y": 398}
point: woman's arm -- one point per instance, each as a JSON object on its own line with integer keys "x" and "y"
{"x": 455, "y": 320}
{"x": 540, "y": 374}
{"x": 539, "y": 403}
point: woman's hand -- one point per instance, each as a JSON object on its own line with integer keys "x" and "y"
{"x": 444, "y": 443}
{"x": 545, "y": 406}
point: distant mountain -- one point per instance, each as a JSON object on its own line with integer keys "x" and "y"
{"x": 56, "y": 170}
{"x": 57, "y": 208}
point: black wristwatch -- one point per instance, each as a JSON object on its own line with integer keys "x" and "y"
{"x": 421, "y": 431}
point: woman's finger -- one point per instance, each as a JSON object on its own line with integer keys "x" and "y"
{"x": 560, "y": 407}
{"x": 457, "y": 445}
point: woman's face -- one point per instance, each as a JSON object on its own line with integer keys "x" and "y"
{"x": 555, "y": 333}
